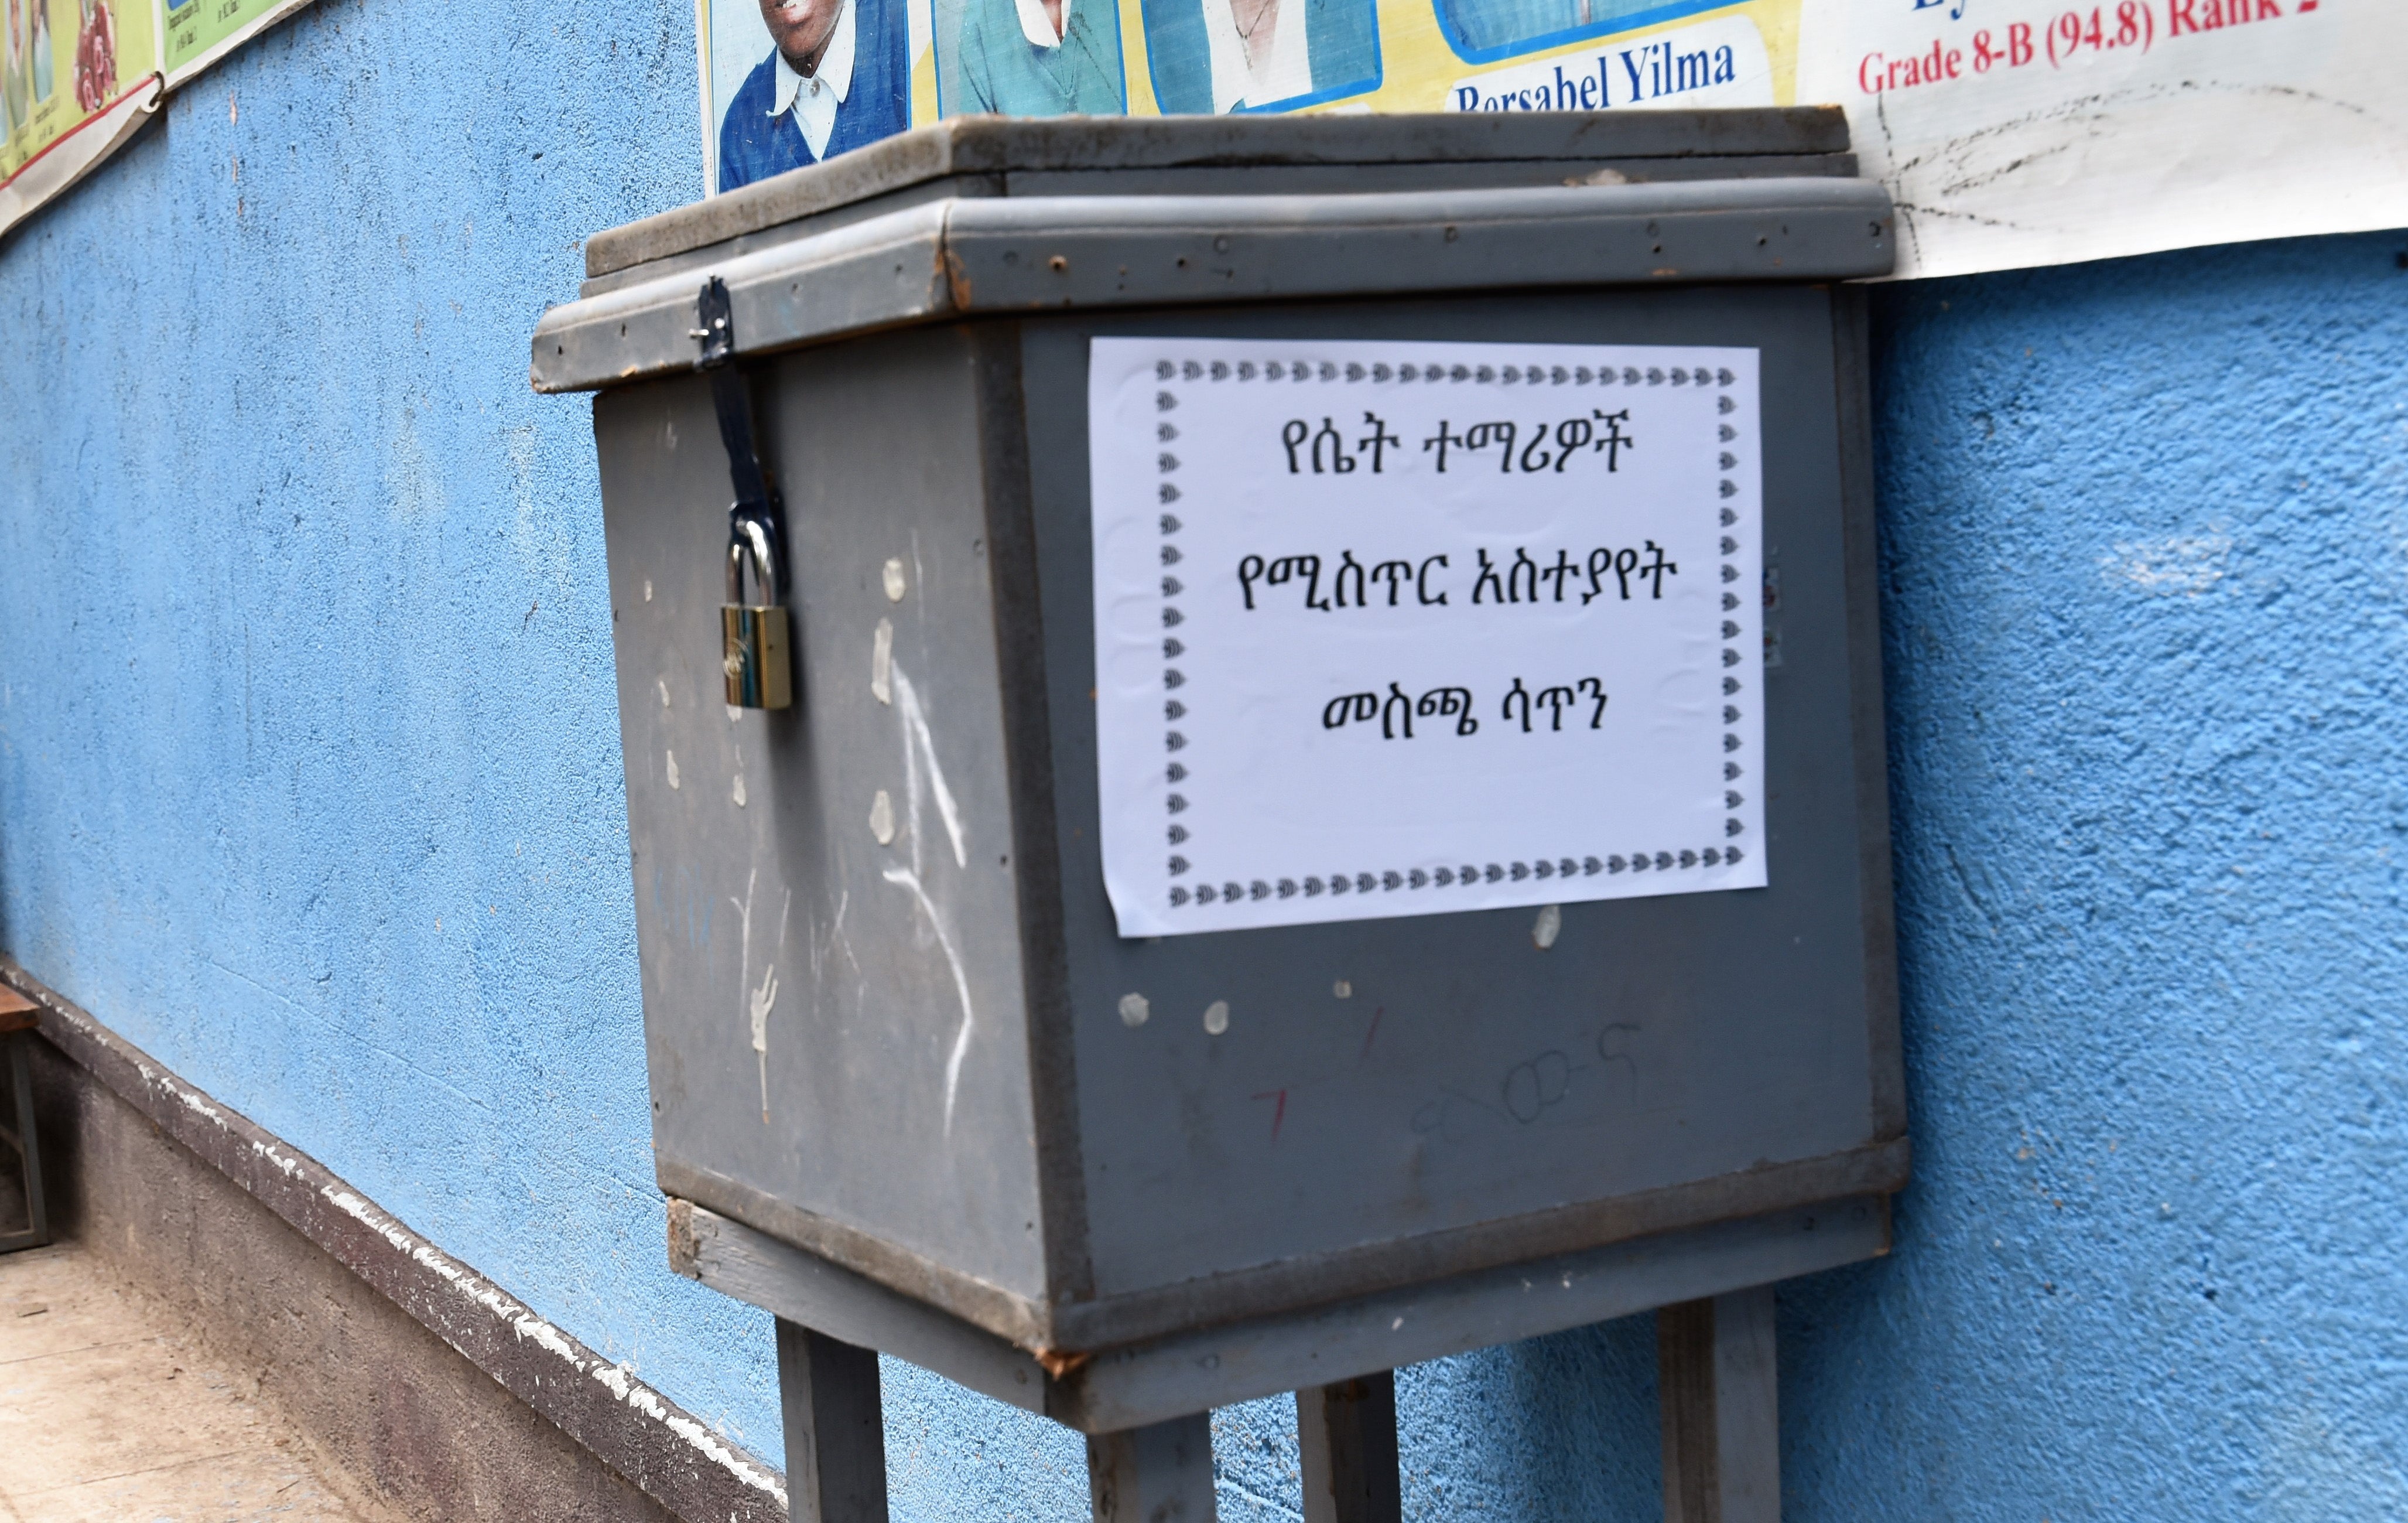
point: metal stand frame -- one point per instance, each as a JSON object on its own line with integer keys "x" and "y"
{"x": 836, "y": 1429}
{"x": 1147, "y": 1407}
{"x": 1721, "y": 1418}
{"x": 1159, "y": 1473}
{"x": 1716, "y": 1377}
{"x": 24, "y": 1140}
{"x": 1347, "y": 1433}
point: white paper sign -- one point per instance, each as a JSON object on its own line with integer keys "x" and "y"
{"x": 1398, "y": 628}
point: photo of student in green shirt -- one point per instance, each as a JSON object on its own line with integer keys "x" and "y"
{"x": 1482, "y": 30}
{"x": 1038, "y": 58}
{"x": 1218, "y": 56}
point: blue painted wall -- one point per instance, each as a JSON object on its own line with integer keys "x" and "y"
{"x": 309, "y": 783}
{"x": 310, "y": 777}
{"x": 2146, "y": 535}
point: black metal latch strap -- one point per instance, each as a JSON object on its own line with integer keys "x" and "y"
{"x": 756, "y": 499}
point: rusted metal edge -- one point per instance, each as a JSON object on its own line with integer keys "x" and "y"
{"x": 666, "y": 1451}
{"x": 1207, "y": 179}
{"x": 874, "y": 274}
{"x": 989, "y": 144}
{"x": 1874, "y": 1169}
{"x": 1193, "y": 1369}
{"x": 1879, "y": 1168}
{"x": 1015, "y": 1318}
{"x": 958, "y": 256}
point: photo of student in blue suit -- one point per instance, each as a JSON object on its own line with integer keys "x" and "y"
{"x": 1038, "y": 58}
{"x": 1217, "y": 56}
{"x": 1482, "y": 30}
{"x": 838, "y": 76}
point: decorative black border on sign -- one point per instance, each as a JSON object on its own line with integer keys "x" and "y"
{"x": 1467, "y": 875}
{"x": 1732, "y": 797}
{"x": 1167, "y": 371}
{"x": 1175, "y": 709}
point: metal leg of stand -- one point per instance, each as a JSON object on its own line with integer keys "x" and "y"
{"x": 1722, "y": 1427}
{"x": 28, "y": 1144}
{"x": 1347, "y": 1433}
{"x": 1160, "y": 1473}
{"x": 835, "y": 1431}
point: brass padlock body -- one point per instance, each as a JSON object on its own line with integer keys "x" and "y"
{"x": 760, "y": 672}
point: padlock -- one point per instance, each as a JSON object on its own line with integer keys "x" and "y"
{"x": 760, "y": 671}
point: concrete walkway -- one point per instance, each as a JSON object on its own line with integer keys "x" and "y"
{"x": 106, "y": 1413}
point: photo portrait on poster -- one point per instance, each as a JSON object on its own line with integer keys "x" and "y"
{"x": 95, "y": 57}
{"x": 45, "y": 67}
{"x": 1485, "y": 30}
{"x": 1030, "y": 58}
{"x": 16, "y": 85}
{"x": 795, "y": 81}
{"x": 1211, "y": 57}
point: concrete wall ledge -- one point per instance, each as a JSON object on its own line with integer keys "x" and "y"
{"x": 402, "y": 1359}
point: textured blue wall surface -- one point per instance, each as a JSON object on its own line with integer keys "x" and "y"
{"x": 309, "y": 776}
{"x": 2146, "y": 545}
{"x": 310, "y": 783}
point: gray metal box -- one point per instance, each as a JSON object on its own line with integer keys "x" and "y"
{"x": 895, "y": 1095}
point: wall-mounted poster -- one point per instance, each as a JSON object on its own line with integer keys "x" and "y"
{"x": 2010, "y": 132}
{"x": 75, "y": 77}
{"x": 2029, "y": 132}
{"x": 788, "y": 82}
{"x": 201, "y": 32}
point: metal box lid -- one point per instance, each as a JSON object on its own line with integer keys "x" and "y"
{"x": 981, "y": 156}
{"x": 988, "y": 215}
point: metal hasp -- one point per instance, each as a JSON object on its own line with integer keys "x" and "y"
{"x": 755, "y": 658}
{"x": 913, "y": 1092}
{"x": 18, "y": 1018}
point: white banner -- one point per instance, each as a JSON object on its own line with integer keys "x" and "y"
{"x": 1400, "y": 628}
{"x": 2027, "y": 131}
